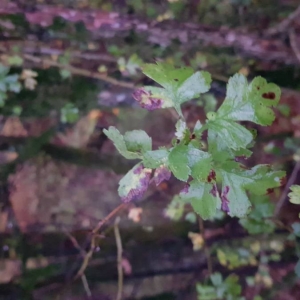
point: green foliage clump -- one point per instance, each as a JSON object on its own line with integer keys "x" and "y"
{"x": 228, "y": 289}
{"x": 258, "y": 222}
{"x": 294, "y": 195}
{"x": 215, "y": 179}
{"x": 8, "y": 83}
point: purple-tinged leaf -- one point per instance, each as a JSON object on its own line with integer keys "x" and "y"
{"x": 214, "y": 190}
{"x": 146, "y": 99}
{"x": 134, "y": 184}
{"x": 199, "y": 195}
{"x": 161, "y": 174}
{"x": 185, "y": 190}
{"x": 211, "y": 176}
{"x": 224, "y": 199}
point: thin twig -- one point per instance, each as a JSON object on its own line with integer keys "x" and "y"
{"x": 119, "y": 258}
{"x": 40, "y": 48}
{"x": 77, "y": 71}
{"x": 293, "y": 43}
{"x": 86, "y": 286}
{"x": 283, "y": 25}
{"x": 280, "y": 224}
{"x": 286, "y": 189}
{"x": 89, "y": 254}
{"x": 75, "y": 243}
{"x": 206, "y": 248}
{"x": 109, "y": 216}
{"x": 83, "y": 253}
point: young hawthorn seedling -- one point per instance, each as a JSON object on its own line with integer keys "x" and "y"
{"x": 214, "y": 178}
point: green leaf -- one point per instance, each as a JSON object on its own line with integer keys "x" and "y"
{"x": 181, "y": 129}
{"x": 216, "y": 279}
{"x": 257, "y": 221}
{"x": 209, "y": 102}
{"x": 198, "y": 129}
{"x": 137, "y": 141}
{"x": 200, "y": 163}
{"x": 15, "y": 60}
{"x": 17, "y": 110}
{"x": 236, "y": 181}
{"x": 263, "y": 178}
{"x": 3, "y": 70}
{"x": 206, "y": 292}
{"x": 220, "y": 151}
{"x": 3, "y": 96}
{"x": 133, "y": 64}
{"x": 117, "y": 138}
{"x": 238, "y": 199}
{"x": 166, "y": 75}
{"x": 154, "y": 159}
{"x": 182, "y": 133}
{"x": 3, "y": 87}
{"x": 250, "y": 102}
{"x": 11, "y": 78}
{"x": 294, "y": 195}
{"x": 175, "y": 209}
{"x": 233, "y": 287}
{"x": 231, "y": 134}
{"x": 14, "y": 87}
{"x": 180, "y": 85}
{"x": 178, "y": 162}
{"x": 191, "y": 217}
{"x": 134, "y": 184}
{"x": 69, "y": 113}
{"x": 200, "y": 196}
{"x": 64, "y": 73}
{"x": 192, "y": 87}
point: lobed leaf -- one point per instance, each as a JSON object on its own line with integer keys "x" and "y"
{"x": 220, "y": 151}
{"x": 154, "y": 159}
{"x": 235, "y": 181}
{"x": 201, "y": 196}
{"x": 193, "y": 86}
{"x": 238, "y": 201}
{"x": 152, "y": 98}
{"x": 166, "y": 75}
{"x": 294, "y": 195}
{"x": 179, "y": 86}
{"x": 256, "y": 222}
{"x": 263, "y": 178}
{"x": 229, "y": 133}
{"x": 250, "y": 102}
{"x": 137, "y": 141}
{"x": 132, "y": 145}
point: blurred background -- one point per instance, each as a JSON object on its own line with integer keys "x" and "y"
{"x": 67, "y": 71}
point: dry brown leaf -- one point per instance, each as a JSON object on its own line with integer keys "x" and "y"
{"x": 7, "y": 156}
{"x": 197, "y": 240}
{"x": 13, "y": 127}
{"x": 135, "y": 214}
